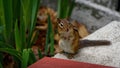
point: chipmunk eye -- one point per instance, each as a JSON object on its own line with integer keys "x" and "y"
{"x": 61, "y": 25}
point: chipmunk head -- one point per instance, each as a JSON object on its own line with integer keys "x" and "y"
{"x": 63, "y": 25}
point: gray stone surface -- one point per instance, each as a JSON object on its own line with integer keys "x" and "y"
{"x": 94, "y": 16}
{"x": 107, "y": 3}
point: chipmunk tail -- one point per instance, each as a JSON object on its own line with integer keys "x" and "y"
{"x": 94, "y": 42}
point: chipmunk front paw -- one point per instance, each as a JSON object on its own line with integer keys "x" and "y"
{"x": 70, "y": 56}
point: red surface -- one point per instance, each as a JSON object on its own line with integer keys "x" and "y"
{"x": 61, "y": 63}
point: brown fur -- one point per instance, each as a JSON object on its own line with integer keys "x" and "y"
{"x": 75, "y": 44}
{"x": 66, "y": 27}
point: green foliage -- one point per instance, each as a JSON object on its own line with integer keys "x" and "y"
{"x": 49, "y": 38}
{"x": 65, "y": 8}
{"x": 25, "y": 58}
{"x": 17, "y": 22}
{"x": 1, "y": 60}
{"x": 12, "y": 52}
{"x": 1, "y": 65}
{"x": 39, "y": 54}
{"x": 1, "y": 29}
{"x": 5, "y": 45}
{"x": 17, "y": 38}
{"x": 32, "y": 57}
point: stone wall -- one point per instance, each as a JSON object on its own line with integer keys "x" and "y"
{"x": 107, "y": 3}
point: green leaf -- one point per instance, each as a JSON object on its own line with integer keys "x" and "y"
{"x": 16, "y": 16}
{"x": 35, "y": 36}
{"x": 12, "y": 52}
{"x": 62, "y": 7}
{"x": 1, "y": 57}
{"x": 17, "y": 38}
{"x": 16, "y": 10}
{"x": 23, "y": 25}
{"x": 22, "y": 34}
{"x": 40, "y": 54}
{"x": 8, "y": 14}
{"x": 2, "y": 20}
{"x": 1, "y": 65}
{"x": 25, "y": 58}
{"x": 70, "y": 8}
{"x": 65, "y": 8}
{"x": 59, "y": 10}
{"x": 35, "y": 5}
{"x": 26, "y": 8}
{"x": 5, "y": 45}
{"x": 1, "y": 29}
{"x": 49, "y": 38}
{"x": 1, "y": 33}
{"x": 32, "y": 57}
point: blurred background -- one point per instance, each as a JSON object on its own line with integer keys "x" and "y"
{"x": 93, "y": 13}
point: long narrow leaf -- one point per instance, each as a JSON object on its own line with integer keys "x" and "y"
{"x": 62, "y": 8}
{"x": 65, "y": 8}
{"x": 2, "y": 20}
{"x": 12, "y": 52}
{"x": 35, "y": 36}
{"x": 23, "y": 26}
{"x": 32, "y": 57}
{"x": 59, "y": 8}
{"x": 17, "y": 38}
{"x": 26, "y": 12}
{"x": 1, "y": 60}
{"x": 25, "y": 57}
{"x": 35, "y": 6}
{"x": 22, "y": 33}
{"x": 25, "y": 17}
{"x": 1, "y": 57}
{"x": 8, "y": 17}
{"x": 1, "y": 33}
{"x": 1, "y": 65}
{"x": 70, "y": 8}
{"x": 51, "y": 36}
{"x": 16, "y": 16}
{"x": 47, "y": 39}
{"x": 16, "y": 10}
{"x": 39, "y": 54}
{"x": 1, "y": 29}
{"x": 5, "y": 45}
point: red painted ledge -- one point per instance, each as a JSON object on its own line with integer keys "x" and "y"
{"x": 61, "y": 63}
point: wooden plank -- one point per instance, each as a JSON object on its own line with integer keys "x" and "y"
{"x": 61, "y": 63}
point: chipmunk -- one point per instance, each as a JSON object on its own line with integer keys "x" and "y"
{"x": 70, "y": 42}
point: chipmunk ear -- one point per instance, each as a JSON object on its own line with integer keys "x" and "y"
{"x": 67, "y": 18}
{"x": 58, "y": 20}
{"x": 75, "y": 28}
